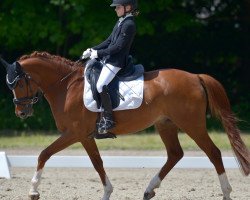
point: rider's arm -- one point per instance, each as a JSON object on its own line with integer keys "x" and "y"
{"x": 125, "y": 37}
{"x": 103, "y": 45}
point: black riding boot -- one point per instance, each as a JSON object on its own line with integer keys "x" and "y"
{"x": 106, "y": 122}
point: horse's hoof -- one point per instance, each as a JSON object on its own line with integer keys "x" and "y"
{"x": 34, "y": 196}
{"x": 227, "y": 198}
{"x": 148, "y": 196}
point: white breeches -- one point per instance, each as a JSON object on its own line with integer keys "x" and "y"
{"x": 107, "y": 74}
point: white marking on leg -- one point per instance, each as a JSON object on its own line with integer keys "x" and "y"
{"x": 154, "y": 183}
{"x": 108, "y": 189}
{"x": 225, "y": 186}
{"x": 35, "y": 181}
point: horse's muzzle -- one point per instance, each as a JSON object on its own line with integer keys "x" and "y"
{"x": 23, "y": 114}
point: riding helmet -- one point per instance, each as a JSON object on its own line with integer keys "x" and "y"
{"x": 124, "y": 3}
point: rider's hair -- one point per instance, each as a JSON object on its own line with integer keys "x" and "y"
{"x": 135, "y": 12}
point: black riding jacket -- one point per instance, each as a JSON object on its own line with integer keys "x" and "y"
{"x": 115, "y": 49}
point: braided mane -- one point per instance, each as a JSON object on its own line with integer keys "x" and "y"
{"x": 55, "y": 58}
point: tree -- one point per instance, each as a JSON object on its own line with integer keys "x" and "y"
{"x": 198, "y": 36}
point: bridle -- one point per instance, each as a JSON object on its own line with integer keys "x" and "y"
{"x": 29, "y": 100}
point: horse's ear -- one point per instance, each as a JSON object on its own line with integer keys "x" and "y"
{"x": 4, "y": 63}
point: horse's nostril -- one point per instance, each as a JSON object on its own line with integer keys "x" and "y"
{"x": 22, "y": 115}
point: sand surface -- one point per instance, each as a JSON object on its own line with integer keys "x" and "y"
{"x": 129, "y": 184}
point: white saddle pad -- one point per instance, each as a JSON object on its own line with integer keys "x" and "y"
{"x": 132, "y": 91}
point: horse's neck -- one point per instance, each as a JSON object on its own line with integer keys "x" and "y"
{"x": 45, "y": 73}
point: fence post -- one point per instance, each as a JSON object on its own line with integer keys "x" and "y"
{"x": 4, "y": 166}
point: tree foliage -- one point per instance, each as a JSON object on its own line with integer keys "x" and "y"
{"x": 198, "y": 36}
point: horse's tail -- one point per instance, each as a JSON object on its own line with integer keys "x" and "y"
{"x": 220, "y": 107}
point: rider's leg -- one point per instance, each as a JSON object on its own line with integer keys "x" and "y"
{"x": 107, "y": 122}
{"x": 107, "y": 74}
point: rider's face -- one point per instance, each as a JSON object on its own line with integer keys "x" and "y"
{"x": 119, "y": 10}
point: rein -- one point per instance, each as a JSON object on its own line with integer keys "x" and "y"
{"x": 65, "y": 77}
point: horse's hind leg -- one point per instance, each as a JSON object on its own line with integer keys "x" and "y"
{"x": 61, "y": 143}
{"x": 169, "y": 135}
{"x": 202, "y": 139}
{"x": 94, "y": 155}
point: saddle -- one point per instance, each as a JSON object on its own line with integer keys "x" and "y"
{"x": 129, "y": 73}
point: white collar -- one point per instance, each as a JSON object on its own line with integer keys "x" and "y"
{"x": 121, "y": 19}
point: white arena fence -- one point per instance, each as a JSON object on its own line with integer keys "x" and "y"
{"x": 109, "y": 162}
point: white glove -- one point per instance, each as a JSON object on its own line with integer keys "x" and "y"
{"x": 86, "y": 53}
{"x": 93, "y": 54}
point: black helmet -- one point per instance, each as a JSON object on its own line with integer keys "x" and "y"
{"x": 124, "y": 3}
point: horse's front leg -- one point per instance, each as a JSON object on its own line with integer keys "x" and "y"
{"x": 94, "y": 155}
{"x": 61, "y": 143}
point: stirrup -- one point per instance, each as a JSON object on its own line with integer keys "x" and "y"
{"x": 96, "y": 135}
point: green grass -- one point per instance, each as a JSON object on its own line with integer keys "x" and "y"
{"x": 127, "y": 142}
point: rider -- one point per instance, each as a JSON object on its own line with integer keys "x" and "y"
{"x": 113, "y": 53}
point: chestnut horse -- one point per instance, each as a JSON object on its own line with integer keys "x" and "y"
{"x": 173, "y": 100}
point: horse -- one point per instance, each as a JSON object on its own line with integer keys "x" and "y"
{"x": 173, "y": 100}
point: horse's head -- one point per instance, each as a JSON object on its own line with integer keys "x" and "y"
{"x": 23, "y": 88}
